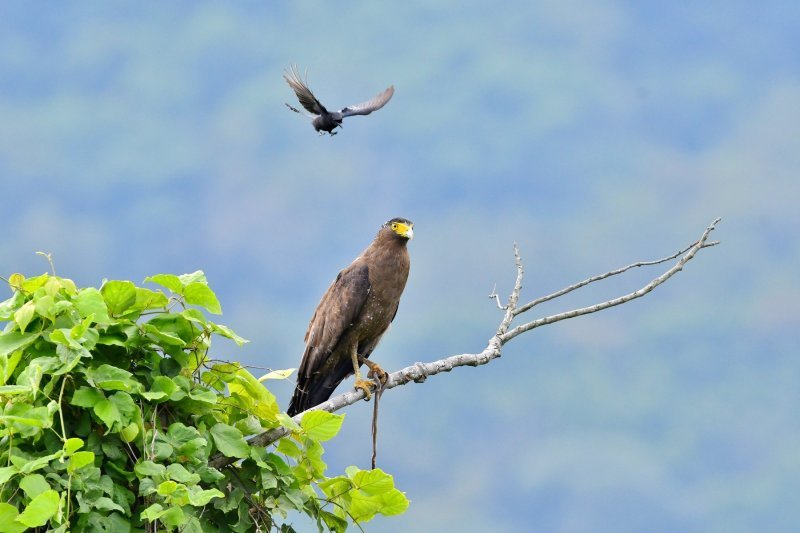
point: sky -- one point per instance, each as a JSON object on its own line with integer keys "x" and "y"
{"x": 136, "y": 140}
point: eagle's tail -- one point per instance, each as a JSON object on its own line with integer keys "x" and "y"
{"x": 315, "y": 389}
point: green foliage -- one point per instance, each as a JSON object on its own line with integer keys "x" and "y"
{"x": 110, "y": 409}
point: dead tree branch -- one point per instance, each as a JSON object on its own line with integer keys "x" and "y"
{"x": 419, "y": 372}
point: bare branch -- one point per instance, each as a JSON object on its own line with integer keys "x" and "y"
{"x": 690, "y": 253}
{"x": 419, "y": 372}
{"x": 514, "y": 297}
{"x": 585, "y": 282}
{"x": 496, "y": 298}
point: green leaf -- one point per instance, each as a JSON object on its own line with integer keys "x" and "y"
{"x": 15, "y": 340}
{"x": 393, "y": 503}
{"x": 79, "y": 330}
{"x": 52, "y": 286}
{"x": 7, "y": 472}
{"x": 24, "y": 415}
{"x": 229, "y": 441}
{"x": 40, "y": 509}
{"x": 44, "y": 306}
{"x": 69, "y": 358}
{"x": 8, "y": 523}
{"x": 199, "y": 497}
{"x": 193, "y": 525}
{"x": 118, "y": 295}
{"x": 277, "y": 374}
{"x": 335, "y": 487}
{"x": 201, "y": 295}
{"x": 26, "y": 465}
{"x": 153, "y": 512}
{"x": 104, "y": 503}
{"x": 253, "y": 396}
{"x": 321, "y": 425}
{"x": 290, "y": 448}
{"x": 184, "y": 438}
{"x": 129, "y": 432}
{"x": 29, "y": 284}
{"x": 228, "y": 333}
{"x": 170, "y": 281}
{"x": 90, "y": 302}
{"x": 194, "y": 315}
{"x": 148, "y": 469}
{"x": 163, "y": 337}
{"x": 373, "y": 482}
{"x": 147, "y": 299}
{"x": 33, "y": 485}
{"x": 165, "y": 488}
{"x": 162, "y": 388}
{"x": 375, "y": 493}
{"x": 125, "y": 404}
{"x": 203, "y": 395}
{"x": 179, "y": 473}
{"x": 8, "y": 364}
{"x": 24, "y": 315}
{"x": 79, "y": 460}
{"x": 173, "y": 517}
{"x": 333, "y": 522}
{"x": 113, "y": 378}
{"x": 69, "y": 286}
{"x": 10, "y": 390}
{"x": 107, "y": 411}
{"x": 363, "y": 508}
{"x": 72, "y": 445}
{"x": 63, "y": 336}
{"x": 86, "y": 397}
{"x": 7, "y": 307}
{"x": 110, "y": 523}
{"x": 198, "y": 276}
{"x": 209, "y": 475}
{"x": 288, "y": 422}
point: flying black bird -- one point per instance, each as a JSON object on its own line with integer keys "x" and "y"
{"x": 324, "y": 120}
{"x": 352, "y": 316}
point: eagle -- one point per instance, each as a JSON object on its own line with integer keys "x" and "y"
{"x": 322, "y": 119}
{"x": 352, "y": 316}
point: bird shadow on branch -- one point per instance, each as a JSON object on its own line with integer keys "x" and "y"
{"x": 419, "y": 372}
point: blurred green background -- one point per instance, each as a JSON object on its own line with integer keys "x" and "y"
{"x": 145, "y": 138}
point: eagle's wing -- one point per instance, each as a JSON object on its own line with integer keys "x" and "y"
{"x": 304, "y": 94}
{"x": 365, "y": 108}
{"x": 336, "y": 312}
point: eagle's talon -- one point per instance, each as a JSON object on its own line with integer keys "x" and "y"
{"x": 374, "y": 370}
{"x": 366, "y": 386}
{"x": 378, "y": 372}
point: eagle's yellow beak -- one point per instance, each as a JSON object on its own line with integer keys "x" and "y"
{"x": 404, "y": 230}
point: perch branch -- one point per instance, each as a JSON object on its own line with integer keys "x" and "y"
{"x": 419, "y": 372}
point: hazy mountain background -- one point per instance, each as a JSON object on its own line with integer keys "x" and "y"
{"x": 138, "y": 138}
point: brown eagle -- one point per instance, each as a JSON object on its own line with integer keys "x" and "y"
{"x": 322, "y": 119}
{"x": 352, "y": 316}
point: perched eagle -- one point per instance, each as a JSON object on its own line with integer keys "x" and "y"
{"x": 352, "y": 316}
{"x": 324, "y": 120}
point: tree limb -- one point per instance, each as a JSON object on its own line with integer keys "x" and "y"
{"x": 419, "y": 372}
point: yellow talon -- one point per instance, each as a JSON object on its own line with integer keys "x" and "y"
{"x": 366, "y": 386}
{"x": 374, "y": 370}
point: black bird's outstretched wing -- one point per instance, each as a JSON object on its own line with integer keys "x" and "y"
{"x": 335, "y": 314}
{"x": 365, "y": 108}
{"x": 304, "y": 94}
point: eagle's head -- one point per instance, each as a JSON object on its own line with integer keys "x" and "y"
{"x": 401, "y": 227}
